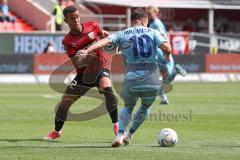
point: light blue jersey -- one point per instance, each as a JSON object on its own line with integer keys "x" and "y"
{"x": 139, "y": 48}
{"x": 158, "y": 25}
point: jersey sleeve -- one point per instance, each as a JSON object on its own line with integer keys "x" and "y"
{"x": 69, "y": 50}
{"x": 159, "y": 26}
{"x": 159, "y": 39}
{"x": 98, "y": 28}
{"x": 115, "y": 38}
{"x": 161, "y": 30}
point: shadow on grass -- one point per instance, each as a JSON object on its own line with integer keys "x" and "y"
{"x": 25, "y": 140}
{"x": 157, "y": 146}
{"x": 47, "y": 147}
{"x": 213, "y": 146}
{"x": 221, "y": 146}
{"x": 61, "y": 145}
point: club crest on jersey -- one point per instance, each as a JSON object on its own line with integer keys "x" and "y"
{"x": 91, "y": 35}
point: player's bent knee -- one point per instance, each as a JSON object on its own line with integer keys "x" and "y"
{"x": 130, "y": 101}
{"x": 148, "y": 101}
{"x": 105, "y": 82}
{"x": 69, "y": 99}
{"x": 146, "y": 105}
{"x": 130, "y": 104}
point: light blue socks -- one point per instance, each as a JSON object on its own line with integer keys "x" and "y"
{"x": 124, "y": 118}
{"x": 138, "y": 119}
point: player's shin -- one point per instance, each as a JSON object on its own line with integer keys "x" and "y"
{"x": 124, "y": 118}
{"x": 139, "y": 118}
{"x": 58, "y": 124}
{"x": 61, "y": 116}
{"x": 111, "y": 104}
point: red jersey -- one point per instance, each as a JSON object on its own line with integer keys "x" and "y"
{"x": 89, "y": 35}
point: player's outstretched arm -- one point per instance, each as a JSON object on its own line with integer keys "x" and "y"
{"x": 105, "y": 33}
{"x": 83, "y": 57}
{"x": 102, "y": 43}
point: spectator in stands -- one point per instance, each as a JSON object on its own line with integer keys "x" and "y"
{"x": 177, "y": 26}
{"x": 66, "y": 3}
{"x": 189, "y": 25}
{"x": 58, "y": 13}
{"x": 221, "y": 24}
{"x": 4, "y": 13}
{"x": 202, "y": 25}
{"x": 49, "y": 48}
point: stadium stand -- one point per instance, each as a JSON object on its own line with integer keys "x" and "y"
{"x": 19, "y": 26}
{"x": 46, "y": 4}
{"x": 49, "y": 5}
{"x": 10, "y": 22}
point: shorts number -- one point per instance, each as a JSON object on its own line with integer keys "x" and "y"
{"x": 73, "y": 84}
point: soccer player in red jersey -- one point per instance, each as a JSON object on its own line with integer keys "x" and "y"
{"x": 91, "y": 72}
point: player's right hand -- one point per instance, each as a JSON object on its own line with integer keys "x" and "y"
{"x": 81, "y": 58}
{"x": 82, "y": 52}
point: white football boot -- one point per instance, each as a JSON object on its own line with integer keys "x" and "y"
{"x": 127, "y": 139}
{"x": 164, "y": 99}
{"x": 118, "y": 140}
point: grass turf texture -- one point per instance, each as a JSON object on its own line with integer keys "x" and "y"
{"x": 212, "y": 131}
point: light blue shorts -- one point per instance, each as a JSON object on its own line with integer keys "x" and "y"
{"x": 147, "y": 94}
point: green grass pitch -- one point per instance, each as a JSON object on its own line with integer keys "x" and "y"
{"x": 206, "y": 119}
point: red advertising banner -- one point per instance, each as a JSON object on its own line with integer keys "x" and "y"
{"x": 223, "y": 63}
{"x": 47, "y": 63}
{"x": 179, "y": 42}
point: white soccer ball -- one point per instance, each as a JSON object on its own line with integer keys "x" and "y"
{"x": 167, "y": 137}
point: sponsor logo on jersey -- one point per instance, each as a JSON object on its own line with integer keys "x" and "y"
{"x": 91, "y": 35}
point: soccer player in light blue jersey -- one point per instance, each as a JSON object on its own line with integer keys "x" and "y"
{"x": 167, "y": 67}
{"x": 139, "y": 49}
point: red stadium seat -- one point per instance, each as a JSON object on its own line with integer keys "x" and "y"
{"x": 20, "y": 25}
